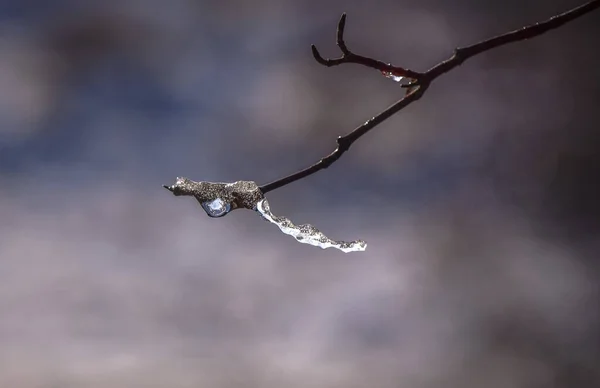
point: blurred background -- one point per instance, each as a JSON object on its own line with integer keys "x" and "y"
{"x": 479, "y": 202}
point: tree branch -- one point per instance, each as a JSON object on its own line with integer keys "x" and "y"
{"x": 420, "y": 81}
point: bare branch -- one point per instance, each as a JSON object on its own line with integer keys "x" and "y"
{"x": 344, "y": 142}
{"x": 461, "y": 54}
{"x": 423, "y": 80}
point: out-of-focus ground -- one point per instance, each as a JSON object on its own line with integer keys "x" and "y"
{"x": 479, "y": 202}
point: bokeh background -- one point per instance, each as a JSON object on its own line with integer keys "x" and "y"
{"x": 479, "y": 202}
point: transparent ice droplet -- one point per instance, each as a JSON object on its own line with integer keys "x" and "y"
{"x": 392, "y": 76}
{"x": 216, "y": 208}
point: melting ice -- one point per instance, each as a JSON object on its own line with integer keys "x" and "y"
{"x": 216, "y": 208}
{"x": 389, "y": 74}
{"x": 305, "y": 233}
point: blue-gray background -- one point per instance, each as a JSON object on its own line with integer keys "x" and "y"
{"x": 479, "y": 202}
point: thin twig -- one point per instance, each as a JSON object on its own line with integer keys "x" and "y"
{"x": 349, "y": 57}
{"x": 344, "y": 142}
{"x": 461, "y": 54}
{"x": 423, "y": 80}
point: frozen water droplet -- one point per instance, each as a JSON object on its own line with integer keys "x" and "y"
{"x": 216, "y": 208}
{"x": 390, "y": 75}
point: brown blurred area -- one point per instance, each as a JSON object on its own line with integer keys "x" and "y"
{"x": 479, "y": 202}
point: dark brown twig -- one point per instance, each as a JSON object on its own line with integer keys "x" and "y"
{"x": 349, "y": 57}
{"x": 423, "y": 80}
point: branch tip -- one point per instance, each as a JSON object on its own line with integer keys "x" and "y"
{"x": 340, "y": 35}
{"x": 318, "y": 56}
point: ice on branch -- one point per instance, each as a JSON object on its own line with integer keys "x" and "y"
{"x": 306, "y": 233}
{"x": 392, "y": 76}
{"x": 218, "y": 199}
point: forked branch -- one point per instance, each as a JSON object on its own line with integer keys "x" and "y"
{"x": 419, "y": 81}
{"x": 349, "y": 57}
